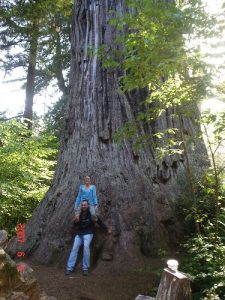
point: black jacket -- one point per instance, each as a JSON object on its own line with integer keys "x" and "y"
{"x": 86, "y": 225}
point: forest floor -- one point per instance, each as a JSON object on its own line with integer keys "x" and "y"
{"x": 105, "y": 282}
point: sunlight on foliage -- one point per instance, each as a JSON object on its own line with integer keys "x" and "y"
{"x": 206, "y": 252}
{"x": 26, "y": 168}
{"x": 156, "y": 55}
{"x": 206, "y": 263}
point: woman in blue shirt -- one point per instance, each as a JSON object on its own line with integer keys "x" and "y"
{"x": 87, "y": 192}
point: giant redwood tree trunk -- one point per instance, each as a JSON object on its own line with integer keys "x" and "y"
{"x": 137, "y": 196}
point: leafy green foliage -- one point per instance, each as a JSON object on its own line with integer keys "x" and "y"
{"x": 205, "y": 204}
{"x": 206, "y": 263}
{"x": 213, "y": 128}
{"x": 205, "y": 259}
{"x": 53, "y": 119}
{"x": 156, "y": 47}
{"x": 216, "y": 143}
{"x": 164, "y": 143}
{"x": 26, "y": 168}
{"x": 156, "y": 55}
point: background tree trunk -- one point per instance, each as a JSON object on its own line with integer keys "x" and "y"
{"x": 137, "y": 196}
{"x": 30, "y": 83}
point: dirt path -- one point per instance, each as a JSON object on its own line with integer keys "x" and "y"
{"x": 102, "y": 283}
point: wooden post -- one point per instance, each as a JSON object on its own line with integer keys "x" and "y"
{"x": 174, "y": 286}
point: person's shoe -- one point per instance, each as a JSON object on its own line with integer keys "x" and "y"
{"x": 68, "y": 272}
{"x": 85, "y": 272}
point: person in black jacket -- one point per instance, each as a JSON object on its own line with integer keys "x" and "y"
{"x": 84, "y": 237}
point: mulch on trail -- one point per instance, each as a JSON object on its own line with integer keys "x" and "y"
{"x": 103, "y": 283}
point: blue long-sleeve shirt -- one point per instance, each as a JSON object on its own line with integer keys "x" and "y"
{"x": 86, "y": 194}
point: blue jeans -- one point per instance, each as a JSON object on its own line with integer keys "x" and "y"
{"x": 78, "y": 241}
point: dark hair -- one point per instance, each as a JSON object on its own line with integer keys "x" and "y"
{"x": 84, "y": 200}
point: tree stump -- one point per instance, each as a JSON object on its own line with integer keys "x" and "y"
{"x": 18, "y": 285}
{"x": 174, "y": 286}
